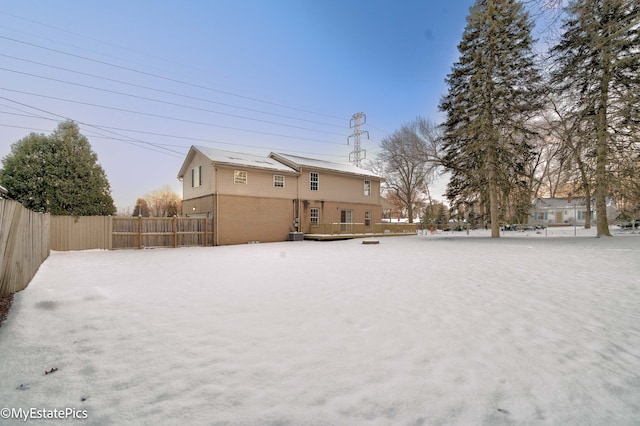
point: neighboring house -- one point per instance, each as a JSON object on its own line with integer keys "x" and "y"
{"x": 565, "y": 211}
{"x": 253, "y": 198}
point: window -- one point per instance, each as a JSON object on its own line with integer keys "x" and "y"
{"x": 367, "y": 218}
{"x": 582, "y": 215}
{"x": 196, "y": 177}
{"x": 313, "y": 181}
{"x": 367, "y": 188}
{"x": 278, "y": 181}
{"x": 240, "y": 177}
{"x": 541, "y": 215}
{"x": 315, "y": 216}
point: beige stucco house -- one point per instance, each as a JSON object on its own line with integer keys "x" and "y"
{"x": 254, "y": 198}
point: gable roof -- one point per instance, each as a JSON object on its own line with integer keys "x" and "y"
{"x": 298, "y": 163}
{"x": 558, "y": 203}
{"x": 230, "y": 158}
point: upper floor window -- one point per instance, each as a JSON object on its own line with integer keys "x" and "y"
{"x": 314, "y": 180}
{"x": 240, "y": 176}
{"x": 196, "y": 177}
{"x": 278, "y": 181}
{"x": 367, "y": 188}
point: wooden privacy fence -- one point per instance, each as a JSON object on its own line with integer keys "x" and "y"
{"x": 161, "y": 232}
{"x": 24, "y": 245}
{"x": 80, "y": 232}
{"x": 107, "y": 232}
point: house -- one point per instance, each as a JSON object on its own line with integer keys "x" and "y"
{"x": 254, "y": 198}
{"x": 334, "y": 193}
{"x": 566, "y": 211}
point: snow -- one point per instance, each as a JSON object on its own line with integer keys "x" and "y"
{"x": 242, "y": 159}
{"x": 297, "y": 161}
{"x": 428, "y": 329}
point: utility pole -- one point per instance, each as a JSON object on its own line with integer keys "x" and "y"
{"x": 358, "y": 154}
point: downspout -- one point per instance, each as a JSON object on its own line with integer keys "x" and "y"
{"x": 298, "y": 204}
{"x": 217, "y": 208}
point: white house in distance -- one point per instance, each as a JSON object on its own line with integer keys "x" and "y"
{"x": 566, "y": 211}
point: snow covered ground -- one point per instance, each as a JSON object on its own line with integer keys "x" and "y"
{"x": 429, "y": 329}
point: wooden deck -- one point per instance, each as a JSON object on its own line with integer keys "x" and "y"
{"x": 349, "y": 231}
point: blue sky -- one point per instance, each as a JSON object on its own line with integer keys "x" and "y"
{"x": 147, "y": 79}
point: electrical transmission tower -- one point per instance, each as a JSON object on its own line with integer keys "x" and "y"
{"x": 358, "y": 154}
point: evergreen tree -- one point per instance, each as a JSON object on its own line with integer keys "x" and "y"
{"x": 596, "y": 65}
{"x": 57, "y": 174}
{"x": 493, "y": 93}
{"x": 141, "y": 208}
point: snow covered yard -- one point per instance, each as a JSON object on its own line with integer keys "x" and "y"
{"x": 429, "y": 329}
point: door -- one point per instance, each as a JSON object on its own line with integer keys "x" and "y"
{"x": 346, "y": 221}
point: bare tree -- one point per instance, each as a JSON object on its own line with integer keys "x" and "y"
{"x": 164, "y": 202}
{"x": 405, "y": 163}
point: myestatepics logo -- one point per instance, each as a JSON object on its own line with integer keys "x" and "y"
{"x": 42, "y": 413}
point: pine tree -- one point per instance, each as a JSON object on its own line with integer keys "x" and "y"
{"x": 141, "y": 208}
{"x": 57, "y": 174}
{"x": 596, "y": 65}
{"x": 493, "y": 93}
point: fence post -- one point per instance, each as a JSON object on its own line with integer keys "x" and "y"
{"x": 139, "y": 231}
{"x": 175, "y": 231}
{"x": 206, "y": 237}
{"x": 110, "y": 233}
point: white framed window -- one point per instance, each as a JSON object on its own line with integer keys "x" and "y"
{"x": 196, "y": 177}
{"x": 314, "y": 181}
{"x": 278, "y": 181}
{"x": 315, "y": 216}
{"x": 367, "y": 188}
{"x": 240, "y": 177}
{"x": 367, "y": 218}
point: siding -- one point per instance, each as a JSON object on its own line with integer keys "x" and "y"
{"x": 339, "y": 187}
{"x": 259, "y": 183}
{"x": 330, "y": 213}
{"x": 208, "y": 182}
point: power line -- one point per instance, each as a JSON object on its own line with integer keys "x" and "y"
{"x": 137, "y": 52}
{"x": 102, "y": 127}
{"x": 149, "y": 74}
{"x": 165, "y": 102}
{"x": 169, "y": 92}
{"x": 165, "y": 117}
{"x": 130, "y": 141}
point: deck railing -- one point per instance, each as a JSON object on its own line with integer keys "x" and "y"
{"x": 362, "y": 229}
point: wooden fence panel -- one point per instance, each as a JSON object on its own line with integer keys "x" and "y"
{"x": 80, "y": 232}
{"x": 140, "y": 232}
{"x": 24, "y": 245}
